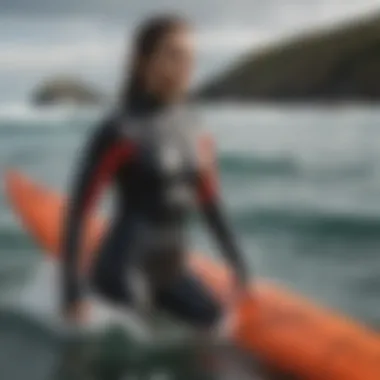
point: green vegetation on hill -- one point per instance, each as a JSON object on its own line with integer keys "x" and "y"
{"x": 339, "y": 64}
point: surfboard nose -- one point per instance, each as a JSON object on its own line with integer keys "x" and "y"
{"x": 13, "y": 180}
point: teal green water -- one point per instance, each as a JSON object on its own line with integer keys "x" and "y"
{"x": 302, "y": 187}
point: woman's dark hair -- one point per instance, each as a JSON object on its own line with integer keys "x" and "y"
{"x": 146, "y": 40}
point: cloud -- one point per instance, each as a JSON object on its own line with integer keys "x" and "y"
{"x": 75, "y": 43}
{"x": 130, "y": 10}
{"x": 248, "y": 12}
{"x": 21, "y": 56}
{"x": 66, "y": 42}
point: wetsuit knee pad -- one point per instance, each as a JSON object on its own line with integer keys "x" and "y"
{"x": 191, "y": 301}
{"x": 111, "y": 285}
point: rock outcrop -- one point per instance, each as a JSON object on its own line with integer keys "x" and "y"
{"x": 65, "y": 90}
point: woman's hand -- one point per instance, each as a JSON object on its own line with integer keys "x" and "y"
{"x": 238, "y": 289}
{"x": 238, "y": 295}
{"x": 77, "y": 313}
{"x": 236, "y": 299}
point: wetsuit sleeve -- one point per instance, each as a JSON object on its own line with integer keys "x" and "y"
{"x": 213, "y": 210}
{"x": 102, "y": 155}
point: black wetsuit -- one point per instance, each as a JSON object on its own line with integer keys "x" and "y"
{"x": 150, "y": 154}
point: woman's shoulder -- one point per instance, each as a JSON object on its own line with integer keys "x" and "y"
{"x": 111, "y": 119}
{"x": 103, "y": 131}
{"x": 109, "y": 123}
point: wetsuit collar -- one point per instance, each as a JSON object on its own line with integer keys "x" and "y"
{"x": 141, "y": 103}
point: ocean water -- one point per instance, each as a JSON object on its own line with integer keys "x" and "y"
{"x": 301, "y": 187}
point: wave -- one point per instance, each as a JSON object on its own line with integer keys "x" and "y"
{"x": 30, "y": 318}
{"x": 110, "y": 354}
{"x": 350, "y": 225}
{"x": 46, "y": 352}
{"x": 23, "y": 115}
{"x": 246, "y": 166}
{"x": 237, "y": 164}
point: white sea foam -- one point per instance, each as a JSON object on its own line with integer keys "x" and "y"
{"x": 23, "y": 114}
{"x": 40, "y": 298}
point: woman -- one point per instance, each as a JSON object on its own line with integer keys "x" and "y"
{"x": 149, "y": 150}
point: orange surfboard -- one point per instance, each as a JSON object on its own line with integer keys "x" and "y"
{"x": 286, "y": 331}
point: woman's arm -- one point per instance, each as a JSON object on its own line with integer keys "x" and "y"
{"x": 212, "y": 209}
{"x": 103, "y": 154}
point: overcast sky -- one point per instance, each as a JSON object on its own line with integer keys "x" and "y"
{"x": 39, "y": 38}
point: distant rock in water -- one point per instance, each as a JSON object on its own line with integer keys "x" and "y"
{"x": 334, "y": 65}
{"x": 62, "y": 90}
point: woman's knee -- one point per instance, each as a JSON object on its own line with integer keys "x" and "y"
{"x": 107, "y": 283}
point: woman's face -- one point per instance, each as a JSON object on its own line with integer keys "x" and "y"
{"x": 168, "y": 71}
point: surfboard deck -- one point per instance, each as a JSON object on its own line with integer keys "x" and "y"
{"x": 286, "y": 331}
